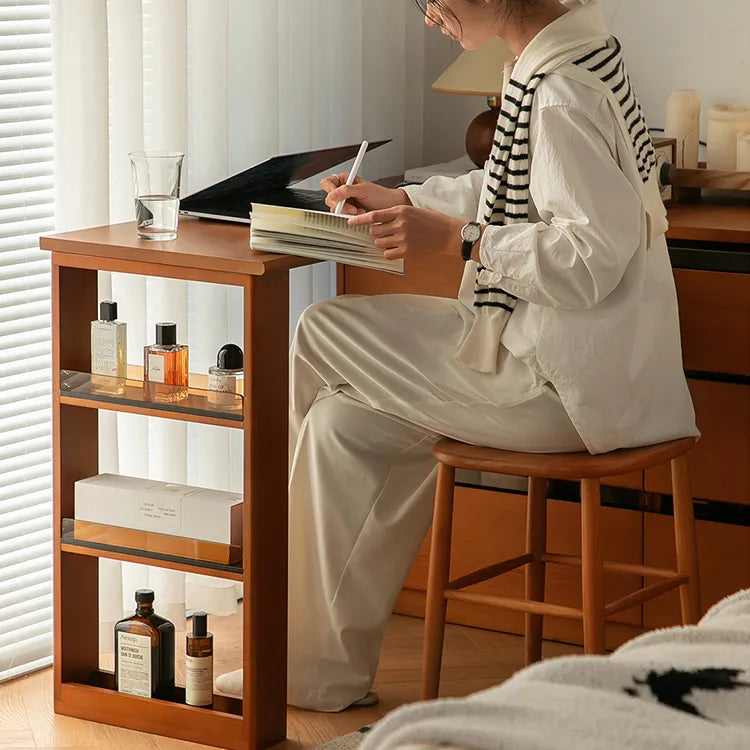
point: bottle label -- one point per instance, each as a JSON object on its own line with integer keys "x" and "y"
{"x": 199, "y": 680}
{"x": 156, "y": 368}
{"x": 134, "y": 664}
{"x": 222, "y": 383}
{"x": 104, "y": 349}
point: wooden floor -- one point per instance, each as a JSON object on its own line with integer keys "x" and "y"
{"x": 474, "y": 659}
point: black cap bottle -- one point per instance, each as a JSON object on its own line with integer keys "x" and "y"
{"x": 226, "y": 378}
{"x": 109, "y": 350}
{"x": 199, "y": 663}
{"x": 165, "y": 366}
{"x": 144, "y": 651}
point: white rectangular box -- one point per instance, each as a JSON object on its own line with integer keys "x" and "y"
{"x": 161, "y": 507}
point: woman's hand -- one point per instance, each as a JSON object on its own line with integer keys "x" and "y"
{"x": 362, "y": 196}
{"x": 407, "y": 231}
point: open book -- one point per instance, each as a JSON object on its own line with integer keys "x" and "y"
{"x": 316, "y": 234}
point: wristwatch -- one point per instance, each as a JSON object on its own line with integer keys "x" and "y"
{"x": 469, "y": 236}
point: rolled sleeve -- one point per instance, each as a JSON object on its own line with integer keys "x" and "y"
{"x": 454, "y": 196}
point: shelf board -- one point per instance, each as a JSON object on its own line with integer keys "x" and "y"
{"x": 127, "y": 395}
{"x": 221, "y": 725}
{"x": 69, "y": 543}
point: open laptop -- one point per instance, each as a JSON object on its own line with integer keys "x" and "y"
{"x": 269, "y": 182}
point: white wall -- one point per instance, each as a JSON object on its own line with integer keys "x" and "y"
{"x": 680, "y": 44}
{"x": 669, "y": 44}
{"x": 446, "y": 116}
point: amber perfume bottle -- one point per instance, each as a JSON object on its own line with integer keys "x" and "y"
{"x": 165, "y": 366}
{"x": 199, "y": 663}
{"x": 109, "y": 351}
{"x": 144, "y": 651}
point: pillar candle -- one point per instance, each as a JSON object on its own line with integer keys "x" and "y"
{"x": 683, "y": 123}
{"x": 743, "y": 151}
{"x": 724, "y": 123}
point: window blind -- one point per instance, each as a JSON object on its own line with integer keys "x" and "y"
{"x": 26, "y": 210}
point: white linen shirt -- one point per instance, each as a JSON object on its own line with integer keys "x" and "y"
{"x": 597, "y": 310}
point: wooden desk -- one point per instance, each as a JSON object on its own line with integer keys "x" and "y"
{"x": 725, "y": 218}
{"x": 205, "y": 251}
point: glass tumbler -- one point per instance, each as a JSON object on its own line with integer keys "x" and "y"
{"x": 156, "y": 175}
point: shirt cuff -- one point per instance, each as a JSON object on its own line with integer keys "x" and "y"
{"x": 415, "y": 194}
{"x": 504, "y": 250}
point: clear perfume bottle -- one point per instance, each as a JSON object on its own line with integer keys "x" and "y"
{"x": 144, "y": 651}
{"x": 226, "y": 378}
{"x": 109, "y": 350}
{"x": 165, "y": 366}
{"x": 199, "y": 663}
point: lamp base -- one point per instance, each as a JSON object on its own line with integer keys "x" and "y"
{"x": 481, "y": 133}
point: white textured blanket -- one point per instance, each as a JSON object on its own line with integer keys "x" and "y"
{"x": 675, "y": 689}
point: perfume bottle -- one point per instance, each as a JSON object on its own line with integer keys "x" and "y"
{"x": 109, "y": 350}
{"x": 199, "y": 663}
{"x": 165, "y": 366}
{"x": 226, "y": 378}
{"x": 144, "y": 651}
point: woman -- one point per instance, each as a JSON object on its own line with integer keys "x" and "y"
{"x": 564, "y": 337}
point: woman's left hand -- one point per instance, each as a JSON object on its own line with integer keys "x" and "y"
{"x": 407, "y": 231}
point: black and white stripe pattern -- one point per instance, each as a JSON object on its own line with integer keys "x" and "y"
{"x": 506, "y": 198}
{"x": 606, "y": 62}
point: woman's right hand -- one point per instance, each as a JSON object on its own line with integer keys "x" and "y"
{"x": 361, "y": 197}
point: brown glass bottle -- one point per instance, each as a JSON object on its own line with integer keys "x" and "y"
{"x": 144, "y": 651}
{"x": 165, "y": 366}
{"x": 199, "y": 663}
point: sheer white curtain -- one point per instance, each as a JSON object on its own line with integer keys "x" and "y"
{"x": 231, "y": 82}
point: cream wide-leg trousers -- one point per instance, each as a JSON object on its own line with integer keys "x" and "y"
{"x": 374, "y": 384}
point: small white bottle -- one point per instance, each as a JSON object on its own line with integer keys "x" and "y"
{"x": 109, "y": 349}
{"x": 226, "y": 378}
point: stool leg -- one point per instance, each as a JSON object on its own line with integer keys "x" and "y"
{"x": 684, "y": 531}
{"x": 536, "y": 545}
{"x": 437, "y": 581}
{"x": 593, "y": 569}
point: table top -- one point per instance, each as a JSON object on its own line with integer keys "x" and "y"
{"x": 223, "y": 246}
{"x": 716, "y": 218}
{"x": 200, "y": 244}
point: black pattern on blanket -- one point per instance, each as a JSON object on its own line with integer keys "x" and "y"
{"x": 673, "y": 689}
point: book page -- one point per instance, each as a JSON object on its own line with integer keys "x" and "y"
{"x": 306, "y": 219}
{"x": 316, "y": 234}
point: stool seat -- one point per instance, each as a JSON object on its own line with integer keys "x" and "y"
{"x": 559, "y": 465}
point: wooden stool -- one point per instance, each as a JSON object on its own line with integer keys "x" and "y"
{"x": 587, "y": 469}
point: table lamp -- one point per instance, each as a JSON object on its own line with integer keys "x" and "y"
{"x": 479, "y": 73}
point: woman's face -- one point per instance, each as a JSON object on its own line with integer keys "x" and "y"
{"x": 471, "y": 24}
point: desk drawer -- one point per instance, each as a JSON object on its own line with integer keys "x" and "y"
{"x": 714, "y": 320}
{"x": 720, "y": 463}
{"x": 723, "y": 564}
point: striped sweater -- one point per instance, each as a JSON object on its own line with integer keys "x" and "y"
{"x": 596, "y": 312}
{"x": 506, "y": 199}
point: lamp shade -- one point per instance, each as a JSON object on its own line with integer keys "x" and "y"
{"x": 478, "y": 72}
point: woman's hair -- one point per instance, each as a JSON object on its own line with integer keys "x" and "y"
{"x": 508, "y": 7}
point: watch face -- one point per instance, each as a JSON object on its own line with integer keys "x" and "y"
{"x": 471, "y": 232}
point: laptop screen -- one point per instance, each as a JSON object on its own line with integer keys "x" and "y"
{"x": 272, "y": 175}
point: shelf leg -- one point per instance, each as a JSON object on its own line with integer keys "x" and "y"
{"x": 75, "y": 435}
{"x": 266, "y": 321}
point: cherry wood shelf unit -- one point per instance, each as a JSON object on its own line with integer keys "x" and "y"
{"x": 211, "y": 252}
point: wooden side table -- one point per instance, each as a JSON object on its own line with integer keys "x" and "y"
{"x": 208, "y": 252}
